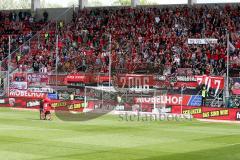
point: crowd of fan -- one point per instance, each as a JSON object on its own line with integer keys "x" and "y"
{"x": 20, "y": 27}
{"x": 140, "y": 40}
{"x": 152, "y": 39}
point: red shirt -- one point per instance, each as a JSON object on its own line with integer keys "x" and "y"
{"x": 46, "y": 107}
{"x": 238, "y": 44}
{"x": 215, "y": 57}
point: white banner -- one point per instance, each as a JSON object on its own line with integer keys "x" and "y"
{"x": 2, "y": 101}
{"x": 202, "y": 41}
{"x": 18, "y": 85}
{"x": 33, "y": 103}
{"x": 37, "y": 78}
{"x": 41, "y": 90}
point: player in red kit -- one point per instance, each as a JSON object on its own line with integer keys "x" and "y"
{"x": 46, "y": 111}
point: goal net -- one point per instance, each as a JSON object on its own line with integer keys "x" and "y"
{"x": 111, "y": 98}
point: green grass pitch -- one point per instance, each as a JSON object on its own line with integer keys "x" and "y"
{"x": 23, "y": 137}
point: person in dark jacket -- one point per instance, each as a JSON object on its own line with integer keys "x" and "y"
{"x": 41, "y": 108}
{"x": 45, "y": 16}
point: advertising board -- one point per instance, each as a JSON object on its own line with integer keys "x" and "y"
{"x": 171, "y": 100}
{"x": 209, "y": 112}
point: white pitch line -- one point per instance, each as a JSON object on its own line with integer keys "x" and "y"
{"x": 219, "y": 121}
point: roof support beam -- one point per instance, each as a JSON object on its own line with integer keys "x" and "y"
{"x": 82, "y": 3}
{"x": 35, "y": 4}
{"x": 135, "y": 3}
{"x": 192, "y": 2}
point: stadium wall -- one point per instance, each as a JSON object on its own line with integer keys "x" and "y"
{"x": 52, "y": 13}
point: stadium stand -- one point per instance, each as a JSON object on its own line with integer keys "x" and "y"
{"x": 152, "y": 40}
{"x": 20, "y": 27}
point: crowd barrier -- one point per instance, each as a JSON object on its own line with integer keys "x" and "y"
{"x": 27, "y": 89}
{"x": 199, "y": 112}
{"x": 145, "y": 81}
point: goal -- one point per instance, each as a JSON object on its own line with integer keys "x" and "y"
{"x": 124, "y": 99}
